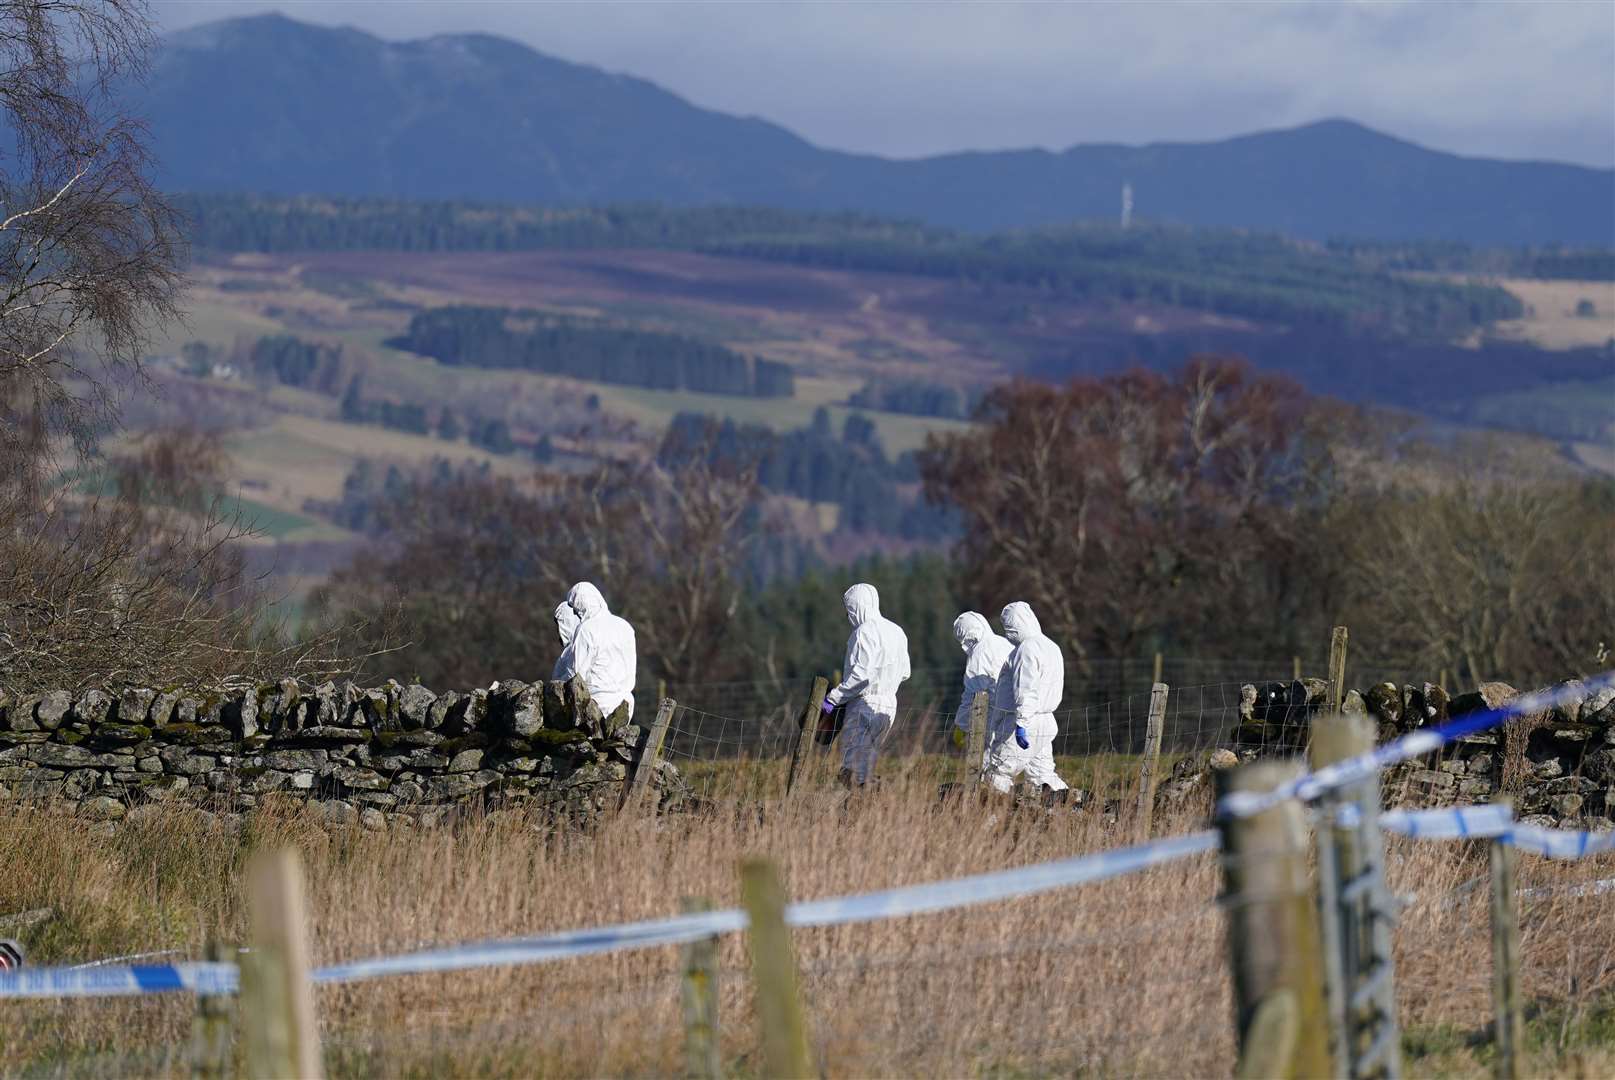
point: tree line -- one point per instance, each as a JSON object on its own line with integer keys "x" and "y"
{"x": 1225, "y": 271}
{"x": 1554, "y": 263}
{"x": 583, "y": 349}
{"x": 872, "y": 493}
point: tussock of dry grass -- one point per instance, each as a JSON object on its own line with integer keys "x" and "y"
{"x": 1126, "y": 977}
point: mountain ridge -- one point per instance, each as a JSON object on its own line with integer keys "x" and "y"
{"x": 273, "y": 105}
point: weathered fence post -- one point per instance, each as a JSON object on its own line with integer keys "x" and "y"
{"x": 1273, "y": 929}
{"x": 210, "y": 1031}
{"x": 1356, "y": 907}
{"x": 1337, "y": 668}
{"x": 976, "y": 747}
{"x": 278, "y": 1030}
{"x": 1508, "y": 1023}
{"x": 643, "y": 774}
{"x": 1326, "y": 747}
{"x": 786, "y": 1054}
{"x": 1160, "y": 662}
{"x": 1150, "y": 768}
{"x": 702, "y": 1059}
{"x": 1295, "y": 668}
{"x": 810, "y": 726}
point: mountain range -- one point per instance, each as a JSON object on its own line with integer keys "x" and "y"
{"x": 270, "y": 105}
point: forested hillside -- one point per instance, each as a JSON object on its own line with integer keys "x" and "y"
{"x": 1228, "y": 272}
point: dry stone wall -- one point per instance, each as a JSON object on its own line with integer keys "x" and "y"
{"x": 369, "y": 756}
{"x": 1557, "y": 766}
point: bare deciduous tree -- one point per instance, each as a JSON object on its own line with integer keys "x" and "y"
{"x": 1494, "y": 579}
{"x": 474, "y": 566}
{"x": 1136, "y": 509}
{"x": 89, "y": 251}
{"x": 143, "y": 582}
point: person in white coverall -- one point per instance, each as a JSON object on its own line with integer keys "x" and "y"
{"x": 1029, "y": 690}
{"x": 877, "y": 663}
{"x": 602, "y": 649}
{"x": 985, "y": 655}
{"x": 566, "y": 624}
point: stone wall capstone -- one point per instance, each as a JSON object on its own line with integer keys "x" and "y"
{"x": 370, "y": 756}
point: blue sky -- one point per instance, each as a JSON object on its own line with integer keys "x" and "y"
{"x": 1500, "y": 79}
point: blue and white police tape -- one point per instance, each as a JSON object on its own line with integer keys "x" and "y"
{"x": 1000, "y": 885}
{"x": 538, "y": 949}
{"x": 885, "y": 904}
{"x": 1450, "y": 823}
{"x": 1495, "y": 821}
{"x": 1309, "y": 786}
{"x": 863, "y": 907}
{"x": 197, "y": 978}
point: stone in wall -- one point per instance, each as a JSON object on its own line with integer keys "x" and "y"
{"x": 368, "y": 756}
{"x": 1558, "y": 766}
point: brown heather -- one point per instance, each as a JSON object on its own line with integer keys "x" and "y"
{"x": 1126, "y": 977}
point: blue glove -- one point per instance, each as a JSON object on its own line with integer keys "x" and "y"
{"x": 1020, "y": 738}
{"x": 827, "y": 708}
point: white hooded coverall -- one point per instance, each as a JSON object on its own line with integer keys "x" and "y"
{"x": 877, "y": 663}
{"x": 1028, "y": 693}
{"x": 566, "y": 624}
{"x": 602, "y": 649}
{"x": 986, "y": 654}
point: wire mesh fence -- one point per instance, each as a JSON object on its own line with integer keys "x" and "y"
{"x": 1098, "y": 742}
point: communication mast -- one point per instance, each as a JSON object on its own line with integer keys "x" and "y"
{"x": 1127, "y": 204}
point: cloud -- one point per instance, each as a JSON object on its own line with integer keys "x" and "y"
{"x": 1516, "y": 80}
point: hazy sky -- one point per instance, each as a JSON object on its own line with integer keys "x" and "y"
{"x": 1501, "y": 79}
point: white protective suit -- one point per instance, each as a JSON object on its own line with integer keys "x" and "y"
{"x": 602, "y": 651}
{"x": 986, "y": 654}
{"x": 1028, "y": 692}
{"x": 566, "y": 624}
{"x": 877, "y": 663}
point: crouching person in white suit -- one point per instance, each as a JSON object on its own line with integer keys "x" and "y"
{"x": 877, "y": 663}
{"x": 601, "y": 651}
{"x": 1028, "y": 692}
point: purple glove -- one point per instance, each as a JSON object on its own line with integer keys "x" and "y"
{"x": 827, "y": 708}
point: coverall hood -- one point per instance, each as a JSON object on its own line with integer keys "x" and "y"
{"x": 970, "y": 628}
{"x": 1019, "y": 622}
{"x": 566, "y": 621}
{"x": 587, "y": 601}
{"x": 863, "y": 603}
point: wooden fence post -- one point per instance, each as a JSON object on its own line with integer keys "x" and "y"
{"x": 1160, "y": 662}
{"x": 1150, "y": 767}
{"x": 1273, "y": 927}
{"x": 1330, "y": 744}
{"x": 1508, "y": 1024}
{"x": 1295, "y": 668}
{"x": 641, "y": 776}
{"x": 1337, "y": 668}
{"x": 210, "y": 1031}
{"x": 702, "y": 1058}
{"x": 810, "y": 726}
{"x": 786, "y": 1054}
{"x": 278, "y": 1030}
{"x": 1357, "y": 909}
{"x": 976, "y": 747}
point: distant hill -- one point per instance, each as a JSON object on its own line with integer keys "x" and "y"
{"x": 267, "y": 104}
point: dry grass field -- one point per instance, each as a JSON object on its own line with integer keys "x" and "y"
{"x": 1122, "y": 978}
{"x": 1551, "y": 319}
